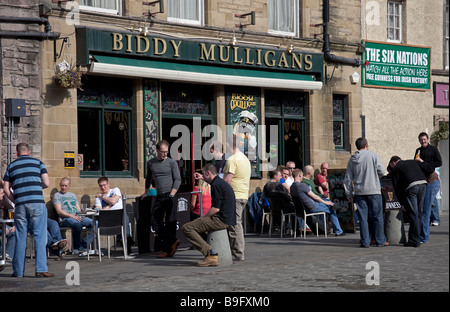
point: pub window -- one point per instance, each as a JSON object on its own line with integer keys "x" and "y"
{"x": 394, "y": 21}
{"x": 283, "y": 17}
{"x": 101, "y": 6}
{"x": 185, "y": 11}
{"x": 339, "y": 121}
{"x": 104, "y": 126}
{"x": 286, "y": 110}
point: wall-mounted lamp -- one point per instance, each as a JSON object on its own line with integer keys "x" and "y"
{"x": 354, "y": 78}
{"x": 233, "y": 41}
{"x": 252, "y": 15}
{"x": 153, "y": 3}
{"x": 290, "y": 49}
{"x": 143, "y": 31}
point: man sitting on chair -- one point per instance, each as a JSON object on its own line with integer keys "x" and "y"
{"x": 314, "y": 203}
{"x": 276, "y": 188}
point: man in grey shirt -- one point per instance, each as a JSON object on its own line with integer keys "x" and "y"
{"x": 163, "y": 174}
{"x": 362, "y": 184}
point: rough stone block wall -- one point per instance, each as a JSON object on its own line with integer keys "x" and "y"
{"x": 20, "y": 78}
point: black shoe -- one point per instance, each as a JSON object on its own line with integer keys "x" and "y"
{"x": 408, "y": 244}
{"x": 342, "y": 234}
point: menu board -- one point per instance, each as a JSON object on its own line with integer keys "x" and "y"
{"x": 344, "y": 208}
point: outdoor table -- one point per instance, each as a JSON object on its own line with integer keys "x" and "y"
{"x": 4, "y": 221}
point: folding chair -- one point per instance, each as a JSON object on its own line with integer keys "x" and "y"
{"x": 276, "y": 204}
{"x": 110, "y": 222}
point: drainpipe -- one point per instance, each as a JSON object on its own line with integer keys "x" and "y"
{"x": 326, "y": 38}
{"x": 47, "y": 35}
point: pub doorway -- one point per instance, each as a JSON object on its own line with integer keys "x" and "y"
{"x": 186, "y": 110}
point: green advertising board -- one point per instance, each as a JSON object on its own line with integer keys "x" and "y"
{"x": 389, "y": 65}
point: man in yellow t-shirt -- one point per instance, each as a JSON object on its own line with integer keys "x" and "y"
{"x": 237, "y": 173}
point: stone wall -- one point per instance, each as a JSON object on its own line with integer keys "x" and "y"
{"x": 20, "y": 78}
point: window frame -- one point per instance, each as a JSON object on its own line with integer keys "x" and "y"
{"x": 297, "y": 18}
{"x": 400, "y": 21}
{"x": 88, "y": 8}
{"x": 342, "y": 119}
{"x": 281, "y": 117}
{"x": 199, "y": 22}
{"x": 101, "y": 109}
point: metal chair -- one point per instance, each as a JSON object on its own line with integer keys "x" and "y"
{"x": 110, "y": 222}
{"x": 276, "y": 203}
{"x": 300, "y": 210}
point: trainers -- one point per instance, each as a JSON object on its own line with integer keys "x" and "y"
{"x": 62, "y": 244}
{"x": 210, "y": 260}
{"x": 435, "y": 223}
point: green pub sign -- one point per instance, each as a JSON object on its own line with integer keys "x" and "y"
{"x": 400, "y": 66}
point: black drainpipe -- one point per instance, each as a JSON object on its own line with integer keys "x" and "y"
{"x": 326, "y": 38}
{"x": 48, "y": 34}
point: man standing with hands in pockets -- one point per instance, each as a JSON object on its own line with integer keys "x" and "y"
{"x": 163, "y": 174}
{"x": 237, "y": 173}
{"x": 362, "y": 181}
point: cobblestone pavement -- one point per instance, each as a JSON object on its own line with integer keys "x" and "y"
{"x": 333, "y": 264}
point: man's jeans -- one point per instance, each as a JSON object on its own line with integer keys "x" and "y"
{"x": 415, "y": 196}
{"x": 53, "y": 234}
{"x": 430, "y": 195}
{"x": 30, "y": 218}
{"x": 10, "y": 242}
{"x": 319, "y": 207}
{"x": 76, "y": 227}
{"x": 370, "y": 206}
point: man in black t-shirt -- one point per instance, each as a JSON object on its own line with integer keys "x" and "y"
{"x": 221, "y": 215}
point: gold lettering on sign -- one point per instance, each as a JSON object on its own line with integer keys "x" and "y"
{"x": 207, "y": 54}
{"x": 308, "y": 61}
{"x": 268, "y": 62}
{"x": 156, "y": 42}
{"x": 176, "y": 47}
{"x": 235, "y": 52}
{"x": 283, "y": 61}
{"x": 117, "y": 42}
{"x": 138, "y": 46}
{"x": 295, "y": 60}
{"x": 242, "y": 101}
{"x": 221, "y": 57}
{"x": 129, "y": 43}
{"x": 247, "y": 57}
{"x": 258, "y": 56}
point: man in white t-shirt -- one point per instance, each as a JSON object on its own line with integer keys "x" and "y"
{"x": 111, "y": 199}
{"x": 108, "y": 199}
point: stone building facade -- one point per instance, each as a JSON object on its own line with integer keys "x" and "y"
{"x": 122, "y": 52}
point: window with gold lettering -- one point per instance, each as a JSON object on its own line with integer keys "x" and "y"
{"x": 105, "y": 126}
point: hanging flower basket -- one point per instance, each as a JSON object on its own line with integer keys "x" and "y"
{"x": 67, "y": 77}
